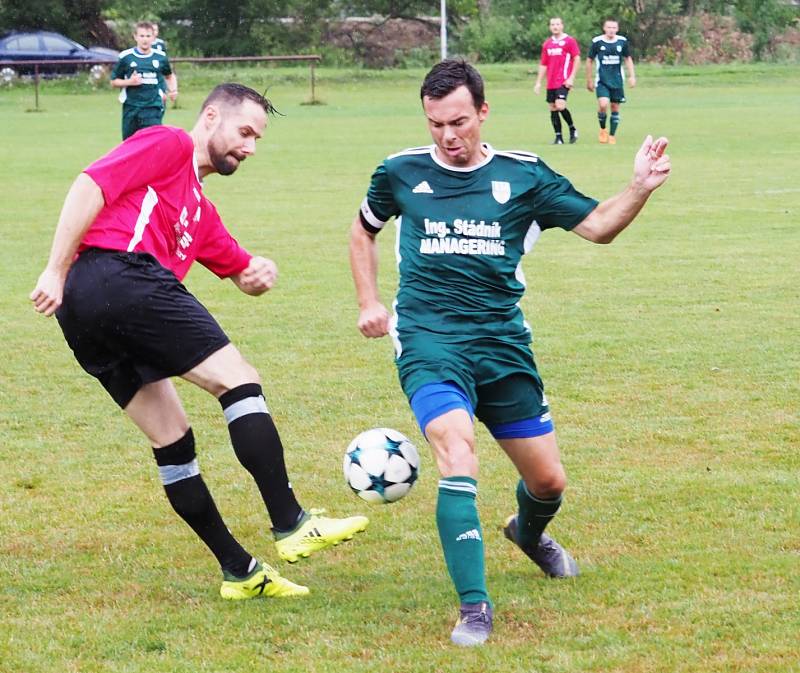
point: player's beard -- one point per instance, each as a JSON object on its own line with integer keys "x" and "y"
{"x": 222, "y": 161}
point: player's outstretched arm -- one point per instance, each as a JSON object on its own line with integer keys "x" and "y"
{"x": 373, "y": 318}
{"x": 84, "y": 201}
{"x": 589, "y": 77}
{"x": 259, "y": 276}
{"x": 651, "y": 168}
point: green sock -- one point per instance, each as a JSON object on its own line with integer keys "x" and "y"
{"x": 461, "y": 537}
{"x": 614, "y": 122}
{"x": 534, "y": 515}
{"x": 601, "y": 118}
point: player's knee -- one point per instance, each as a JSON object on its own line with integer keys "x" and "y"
{"x": 455, "y": 453}
{"x": 459, "y": 461}
{"x": 238, "y": 373}
{"x": 549, "y": 483}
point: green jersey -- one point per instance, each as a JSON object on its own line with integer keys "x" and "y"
{"x": 153, "y": 68}
{"x": 608, "y": 57}
{"x": 461, "y": 235}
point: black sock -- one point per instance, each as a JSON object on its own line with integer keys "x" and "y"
{"x": 191, "y": 499}
{"x": 258, "y": 447}
{"x": 601, "y": 118}
{"x": 567, "y": 118}
{"x": 555, "y": 120}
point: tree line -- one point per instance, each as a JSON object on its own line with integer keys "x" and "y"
{"x": 489, "y": 30}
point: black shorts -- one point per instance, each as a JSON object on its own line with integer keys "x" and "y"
{"x": 129, "y": 321}
{"x": 561, "y": 93}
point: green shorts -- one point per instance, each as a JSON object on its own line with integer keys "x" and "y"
{"x": 135, "y": 118}
{"x": 499, "y": 377}
{"x": 615, "y": 95}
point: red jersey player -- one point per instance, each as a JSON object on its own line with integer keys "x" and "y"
{"x": 130, "y": 228}
{"x": 560, "y": 59}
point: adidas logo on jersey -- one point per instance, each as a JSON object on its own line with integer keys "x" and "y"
{"x": 469, "y": 535}
{"x": 423, "y": 188}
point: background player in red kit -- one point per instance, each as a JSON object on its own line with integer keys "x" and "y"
{"x": 560, "y": 58}
{"x": 131, "y": 226}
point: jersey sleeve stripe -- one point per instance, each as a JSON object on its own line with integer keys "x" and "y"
{"x": 369, "y": 218}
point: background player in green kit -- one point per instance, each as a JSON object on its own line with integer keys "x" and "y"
{"x": 146, "y": 78}
{"x": 466, "y": 214}
{"x": 607, "y": 52}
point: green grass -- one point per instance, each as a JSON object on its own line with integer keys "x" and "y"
{"x": 671, "y": 360}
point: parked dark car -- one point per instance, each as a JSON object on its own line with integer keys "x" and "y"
{"x": 46, "y": 46}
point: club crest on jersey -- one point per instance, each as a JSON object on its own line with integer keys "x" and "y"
{"x": 501, "y": 191}
{"x": 155, "y": 62}
{"x": 619, "y": 47}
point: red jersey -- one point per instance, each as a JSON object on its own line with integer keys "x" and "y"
{"x": 154, "y": 203}
{"x": 559, "y": 57}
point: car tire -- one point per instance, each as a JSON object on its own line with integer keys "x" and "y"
{"x": 8, "y": 75}
{"x": 97, "y": 74}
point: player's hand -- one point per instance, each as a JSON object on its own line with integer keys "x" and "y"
{"x": 590, "y": 85}
{"x": 259, "y": 276}
{"x": 632, "y": 82}
{"x": 172, "y": 95}
{"x": 373, "y": 321}
{"x": 135, "y": 79}
{"x": 651, "y": 167}
{"x": 48, "y": 293}
{"x": 569, "y": 82}
{"x": 537, "y": 88}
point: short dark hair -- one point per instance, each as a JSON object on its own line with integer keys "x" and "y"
{"x": 146, "y": 25}
{"x": 231, "y": 93}
{"x": 610, "y": 18}
{"x": 446, "y": 76}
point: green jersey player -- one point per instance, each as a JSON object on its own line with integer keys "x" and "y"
{"x": 145, "y": 76}
{"x": 607, "y": 53}
{"x": 466, "y": 214}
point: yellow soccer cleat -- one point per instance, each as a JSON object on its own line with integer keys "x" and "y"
{"x": 612, "y": 140}
{"x": 317, "y": 532}
{"x": 264, "y": 581}
{"x": 603, "y": 136}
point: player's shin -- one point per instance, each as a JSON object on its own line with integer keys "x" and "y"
{"x": 461, "y": 537}
{"x": 258, "y": 447}
{"x": 555, "y": 120}
{"x": 615, "y": 119}
{"x": 534, "y": 515}
{"x": 192, "y": 501}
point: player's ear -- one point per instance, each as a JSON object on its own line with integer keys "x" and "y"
{"x": 483, "y": 111}
{"x": 211, "y": 115}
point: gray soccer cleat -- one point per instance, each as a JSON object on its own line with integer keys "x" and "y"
{"x": 550, "y": 556}
{"x": 473, "y": 626}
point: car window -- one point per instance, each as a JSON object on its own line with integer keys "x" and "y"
{"x": 53, "y": 43}
{"x": 23, "y": 43}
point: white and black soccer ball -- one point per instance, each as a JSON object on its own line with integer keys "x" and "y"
{"x": 381, "y": 465}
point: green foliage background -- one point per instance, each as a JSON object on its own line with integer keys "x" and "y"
{"x": 495, "y": 30}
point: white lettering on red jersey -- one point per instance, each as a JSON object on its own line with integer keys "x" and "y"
{"x": 150, "y": 186}
{"x": 559, "y": 57}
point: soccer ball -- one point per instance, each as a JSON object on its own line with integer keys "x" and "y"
{"x": 381, "y": 465}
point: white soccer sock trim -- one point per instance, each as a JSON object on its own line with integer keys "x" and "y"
{"x": 249, "y": 405}
{"x": 172, "y": 473}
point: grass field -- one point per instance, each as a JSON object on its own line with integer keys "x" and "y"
{"x": 671, "y": 360}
